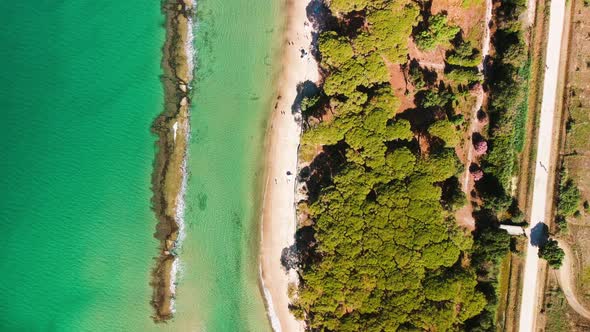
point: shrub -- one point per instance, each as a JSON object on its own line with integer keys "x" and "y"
{"x": 552, "y": 253}
{"x": 435, "y": 98}
{"x": 417, "y": 77}
{"x": 464, "y": 75}
{"x": 446, "y": 131}
{"x": 464, "y": 55}
{"x": 569, "y": 197}
{"x": 437, "y": 32}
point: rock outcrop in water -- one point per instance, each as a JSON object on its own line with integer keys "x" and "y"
{"x": 172, "y": 128}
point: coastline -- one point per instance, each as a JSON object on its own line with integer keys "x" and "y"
{"x": 278, "y": 224}
{"x": 169, "y": 175}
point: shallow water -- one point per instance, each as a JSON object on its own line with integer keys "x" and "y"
{"x": 80, "y": 89}
{"x": 236, "y": 43}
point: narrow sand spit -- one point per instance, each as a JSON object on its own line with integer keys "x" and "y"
{"x": 278, "y": 210}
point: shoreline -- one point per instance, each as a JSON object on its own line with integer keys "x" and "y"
{"x": 169, "y": 176}
{"x": 278, "y": 221}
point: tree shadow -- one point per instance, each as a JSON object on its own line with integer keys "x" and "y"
{"x": 430, "y": 77}
{"x": 319, "y": 173}
{"x": 307, "y": 89}
{"x": 418, "y": 118}
{"x": 301, "y": 253}
{"x": 490, "y": 189}
{"x": 539, "y": 234}
{"x": 320, "y": 16}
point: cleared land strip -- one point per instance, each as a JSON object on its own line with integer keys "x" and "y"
{"x": 544, "y": 145}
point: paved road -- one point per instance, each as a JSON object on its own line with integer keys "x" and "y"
{"x": 528, "y": 307}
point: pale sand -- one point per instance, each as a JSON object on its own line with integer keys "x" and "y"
{"x": 278, "y": 210}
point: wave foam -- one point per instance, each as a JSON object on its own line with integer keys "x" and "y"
{"x": 176, "y": 270}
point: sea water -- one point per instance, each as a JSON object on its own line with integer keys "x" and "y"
{"x": 237, "y": 43}
{"x": 80, "y": 89}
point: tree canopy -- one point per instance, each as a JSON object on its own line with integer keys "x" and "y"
{"x": 386, "y": 253}
{"x": 437, "y": 31}
{"x": 552, "y": 253}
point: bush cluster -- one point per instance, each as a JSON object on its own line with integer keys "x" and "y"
{"x": 507, "y": 107}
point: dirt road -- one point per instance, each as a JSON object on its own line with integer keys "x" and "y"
{"x": 545, "y": 143}
{"x": 485, "y": 51}
{"x": 566, "y": 279}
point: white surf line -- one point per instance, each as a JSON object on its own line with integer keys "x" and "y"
{"x": 176, "y": 270}
{"x": 528, "y": 307}
{"x": 174, "y": 128}
{"x": 275, "y": 323}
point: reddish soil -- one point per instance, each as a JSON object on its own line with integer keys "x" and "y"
{"x": 434, "y": 59}
{"x": 469, "y": 17}
{"x": 464, "y": 217}
{"x": 400, "y": 86}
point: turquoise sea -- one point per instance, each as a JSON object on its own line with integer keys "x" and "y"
{"x": 80, "y": 90}
{"x": 237, "y": 43}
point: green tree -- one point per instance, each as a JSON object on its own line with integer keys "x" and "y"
{"x": 436, "y": 98}
{"x": 345, "y": 6}
{"x": 445, "y": 130}
{"x": 569, "y": 197}
{"x": 552, "y": 253}
{"x": 464, "y": 75}
{"x": 388, "y": 31}
{"x": 464, "y": 55}
{"x": 437, "y": 32}
{"x": 335, "y": 50}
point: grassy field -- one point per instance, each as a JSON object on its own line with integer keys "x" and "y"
{"x": 576, "y": 154}
{"x": 510, "y": 285}
{"x": 557, "y": 314}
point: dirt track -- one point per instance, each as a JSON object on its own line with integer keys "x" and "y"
{"x": 566, "y": 279}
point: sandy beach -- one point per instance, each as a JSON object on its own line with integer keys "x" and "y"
{"x": 278, "y": 210}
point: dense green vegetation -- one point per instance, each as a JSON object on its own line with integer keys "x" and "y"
{"x": 490, "y": 248}
{"x": 569, "y": 197}
{"x": 508, "y": 81}
{"x": 436, "y": 31}
{"x": 445, "y": 130}
{"x": 568, "y": 200}
{"x": 552, "y": 253}
{"x": 383, "y": 251}
{"x": 464, "y": 55}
